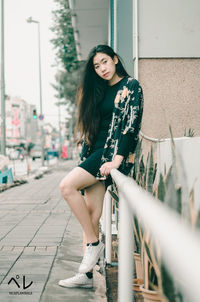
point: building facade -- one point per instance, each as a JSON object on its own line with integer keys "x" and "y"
{"x": 20, "y": 123}
{"x": 160, "y": 46}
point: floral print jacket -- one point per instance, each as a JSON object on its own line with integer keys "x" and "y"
{"x": 126, "y": 118}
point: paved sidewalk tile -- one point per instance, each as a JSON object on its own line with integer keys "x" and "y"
{"x": 40, "y": 243}
{"x": 66, "y": 265}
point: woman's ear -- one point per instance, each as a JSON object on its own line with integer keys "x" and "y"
{"x": 115, "y": 59}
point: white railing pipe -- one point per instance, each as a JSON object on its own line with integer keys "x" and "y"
{"x": 103, "y": 219}
{"x": 125, "y": 271}
{"x": 179, "y": 243}
{"x": 161, "y": 140}
{"x": 108, "y": 239}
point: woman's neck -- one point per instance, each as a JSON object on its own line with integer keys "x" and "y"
{"x": 114, "y": 80}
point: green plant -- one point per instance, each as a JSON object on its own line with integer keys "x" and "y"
{"x": 172, "y": 190}
{"x": 138, "y": 234}
{"x": 168, "y": 191}
{"x": 151, "y": 169}
{"x": 189, "y": 132}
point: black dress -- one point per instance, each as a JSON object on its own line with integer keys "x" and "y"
{"x": 92, "y": 162}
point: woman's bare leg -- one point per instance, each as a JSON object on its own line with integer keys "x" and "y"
{"x": 70, "y": 186}
{"x": 94, "y": 196}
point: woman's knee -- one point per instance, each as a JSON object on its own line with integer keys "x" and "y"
{"x": 66, "y": 187}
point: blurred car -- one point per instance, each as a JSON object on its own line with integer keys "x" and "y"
{"x": 17, "y": 153}
{"x": 52, "y": 153}
{"x": 36, "y": 152}
{"x": 13, "y": 154}
{"x": 4, "y": 161}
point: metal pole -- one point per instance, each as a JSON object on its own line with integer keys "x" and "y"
{"x": 103, "y": 218}
{"x": 108, "y": 246}
{"x": 125, "y": 272}
{"x": 40, "y": 76}
{"x": 30, "y": 20}
{"x": 60, "y": 137}
{"x": 3, "y": 113}
{"x": 40, "y": 85}
{"x": 59, "y": 118}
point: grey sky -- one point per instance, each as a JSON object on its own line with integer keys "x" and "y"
{"x": 21, "y": 54}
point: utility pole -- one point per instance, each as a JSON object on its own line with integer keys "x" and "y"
{"x": 41, "y": 117}
{"x": 59, "y": 116}
{"x": 59, "y": 127}
{"x": 3, "y": 113}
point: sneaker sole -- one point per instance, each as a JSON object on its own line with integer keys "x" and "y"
{"x": 93, "y": 264}
{"x": 75, "y": 286}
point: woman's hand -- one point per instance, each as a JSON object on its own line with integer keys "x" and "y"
{"x": 114, "y": 164}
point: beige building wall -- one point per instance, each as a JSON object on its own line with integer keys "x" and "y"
{"x": 171, "y": 96}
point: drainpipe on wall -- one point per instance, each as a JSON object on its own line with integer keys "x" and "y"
{"x": 109, "y": 25}
{"x": 135, "y": 38}
{"x": 115, "y": 26}
{"x": 136, "y": 54}
{"x": 111, "y": 28}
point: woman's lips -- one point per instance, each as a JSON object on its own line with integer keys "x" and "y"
{"x": 106, "y": 74}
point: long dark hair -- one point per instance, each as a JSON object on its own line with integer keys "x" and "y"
{"x": 91, "y": 93}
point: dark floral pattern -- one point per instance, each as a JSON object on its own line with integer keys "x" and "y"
{"x": 126, "y": 118}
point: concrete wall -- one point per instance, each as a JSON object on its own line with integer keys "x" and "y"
{"x": 171, "y": 96}
{"x": 169, "y": 28}
{"x": 187, "y": 161}
{"x": 90, "y": 23}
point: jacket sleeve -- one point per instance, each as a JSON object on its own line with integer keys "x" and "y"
{"x": 132, "y": 118}
{"x": 125, "y": 144}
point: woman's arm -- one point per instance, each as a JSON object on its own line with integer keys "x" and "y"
{"x": 107, "y": 167}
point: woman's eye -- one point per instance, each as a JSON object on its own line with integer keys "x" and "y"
{"x": 104, "y": 62}
{"x": 96, "y": 67}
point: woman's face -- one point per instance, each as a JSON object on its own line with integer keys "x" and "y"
{"x": 105, "y": 66}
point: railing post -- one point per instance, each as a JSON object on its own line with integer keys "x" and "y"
{"x": 125, "y": 263}
{"x": 108, "y": 239}
{"x": 103, "y": 219}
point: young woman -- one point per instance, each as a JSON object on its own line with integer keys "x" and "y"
{"x": 110, "y": 106}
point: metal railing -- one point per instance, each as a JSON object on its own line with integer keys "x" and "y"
{"x": 179, "y": 243}
{"x": 160, "y": 140}
{"x": 152, "y": 139}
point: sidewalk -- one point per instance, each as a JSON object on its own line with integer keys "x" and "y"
{"x": 40, "y": 243}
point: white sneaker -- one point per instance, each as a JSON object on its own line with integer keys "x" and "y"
{"x": 79, "y": 280}
{"x": 91, "y": 257}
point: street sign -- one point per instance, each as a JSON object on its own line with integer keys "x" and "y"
{"x": 41, "y": 117}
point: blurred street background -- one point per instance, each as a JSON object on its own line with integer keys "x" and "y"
{"x": 37, "y": 101}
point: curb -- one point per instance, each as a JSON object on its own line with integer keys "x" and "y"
{"x": 23, "y": 179}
